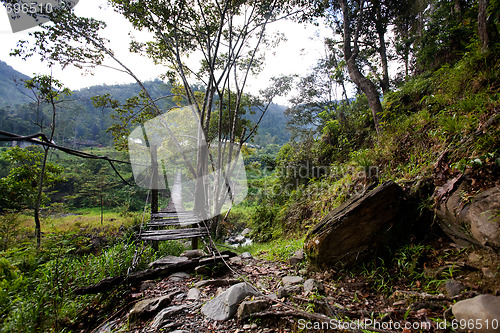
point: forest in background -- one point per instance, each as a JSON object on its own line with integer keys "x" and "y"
{"x": 81, "y": 124}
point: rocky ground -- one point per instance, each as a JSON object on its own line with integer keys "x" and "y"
{"x": 291, "y": 298}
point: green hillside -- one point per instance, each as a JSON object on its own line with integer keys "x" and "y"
{"x": 12, "y": 91}
{"x": 85, "y": 125}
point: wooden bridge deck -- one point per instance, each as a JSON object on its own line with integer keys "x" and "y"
{"x": 173, "y": 225}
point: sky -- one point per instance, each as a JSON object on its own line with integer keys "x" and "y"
{"x": 297, "y": 55}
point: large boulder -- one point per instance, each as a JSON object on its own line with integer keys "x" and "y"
{"x": 359, "y": 227}
{"x": 473, "y": 220}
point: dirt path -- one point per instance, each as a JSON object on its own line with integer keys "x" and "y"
{"x": 355, "y": 300}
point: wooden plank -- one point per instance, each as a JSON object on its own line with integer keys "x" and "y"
{"x": 171, "y": 223}
{"x": 172, "y": 237}
{"x": 172, "y": 215}
{"x": 175, "y": 220}
{"x": 174, "y": 231}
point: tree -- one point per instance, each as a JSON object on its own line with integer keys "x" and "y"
{"x": 229, "y": 36}
{"x": 352, "y": 21}
{"x": 19, "y": 188}
{"x": 46, "y": 91}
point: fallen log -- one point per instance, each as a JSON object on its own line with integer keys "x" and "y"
{"x": 153, "y": 273}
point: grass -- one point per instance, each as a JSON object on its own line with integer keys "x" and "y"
{"x": 36, "y": 284}
{"x": 80, "y": 219}
{"x": 275, "y": 250}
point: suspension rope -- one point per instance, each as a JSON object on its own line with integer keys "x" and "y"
{"x": 137, "y": 253}
{"x": 46, "y": 143}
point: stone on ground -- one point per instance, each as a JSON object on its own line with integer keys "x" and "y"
{"x": 313, "y": 285}
{"x": 246, "y": 255}
{"x": 473, "y": 223}
{"x": 179, "y": 276}
{"x": 480, "y": 309}
{"x": 289, "y": 290}
{"x": 163, "y": 316}
{"x": 193, "y": 294}
{"x": 290, "y": 280}
{"x": 297, "y": 257}
{"x": 225, "y": 305}
{"x": 246, "y": 231}
{"x": 246, "y": 308}
{"x": 149, "y": 307}
{"x": 453, "y": 287}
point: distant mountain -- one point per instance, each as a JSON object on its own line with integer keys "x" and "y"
{"x": 81, "y": 124}
{"x": 12, "y": 86}
{"x": 272, "y": 128}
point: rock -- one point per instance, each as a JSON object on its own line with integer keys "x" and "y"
{"x": 168, "y": 260}
{"x": 204, "y": 270}
{"x": 474, "y": 222}
{"x": 246, "y": 308}
{"x": 480, "y": 309}
{"x": 289, "y": 290}
{"x": 246, "y": 231}
{"x": 235, "y": 260}
{"x": 162, "y": 317}
{"x": 225, "y": 305}
{"x": 193, "y": 294}
{"x": 146, "y": 285}
{"x": 246, "y": 255}
{"x": 488, "y": 272}
{"x": 239, "y": 239}
{"x": 313, "y": 285}
{"x": 473, "y": 257}
{"x": 453, "y": 288}
{"x": 290, "y": 280}
{"x": 193, "y": 253}
{"x": 360, "y": 226}
{"x": 149, "y": 307}
{"x": 297, "y": 257}
{"x": 179, "y": 276}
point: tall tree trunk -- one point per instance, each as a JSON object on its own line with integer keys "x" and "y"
{"x": 482, "y": 25}
{"x": 38, "y": 227}
{"x": 363, "y": 83}
{"x": 381, "y": 30}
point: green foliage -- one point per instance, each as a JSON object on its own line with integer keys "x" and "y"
{"x": 9, "y": 224}
{"x": 404, "y": 270}
{"x": 449, "y": 30}
{"x": 264, "y": 224}
{"x": 36, "y": 288}
{"x": 18, "y": 189}
{"x": 276, "y": 250}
